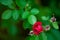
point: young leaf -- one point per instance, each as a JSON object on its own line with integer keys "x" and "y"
{"x": 25, "y": 15}
{"x": 15, "y": 14}
{"x": 6, "y": 14}
{"x": 21, "y": 3}
{"x": 44, "y": 18}
{"x": 32, "y": 19}
{"x": 55, "y": 25}
{"x": 34, "y": 11}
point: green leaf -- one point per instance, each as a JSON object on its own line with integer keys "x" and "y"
{"x": 32, "y": 19}
{"x": 55, "y": 25}
{"x": 6, "y": 14}
{"x": 6, "y": 2}
{"x": 21, "y": 3}
{"x": 25, "y": 15}
{"x": 43, "y": 36}
{"x": 15, "y": 14}
{"x": 34, "y": 11}
{"x": 34, "y": 37}
{"x": 12, "y": 6}
{"x": 50, "y": 36}
{"x": 56, "y": 34}
{"x": 44, "y": 18}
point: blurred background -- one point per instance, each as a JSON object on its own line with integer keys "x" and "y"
{"x": 14, "y": 24}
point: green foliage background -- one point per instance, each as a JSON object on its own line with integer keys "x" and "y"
{"x": 18, "y": 16}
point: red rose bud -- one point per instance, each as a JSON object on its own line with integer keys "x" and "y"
{"x": 37, "y": 28}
